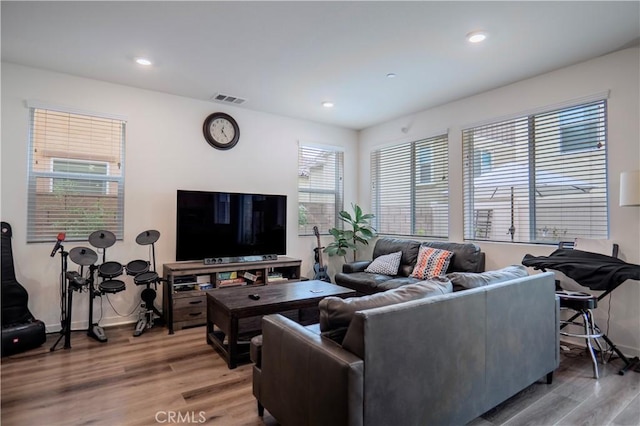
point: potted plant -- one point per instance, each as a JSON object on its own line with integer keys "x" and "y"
{"x": 360, "y": 231}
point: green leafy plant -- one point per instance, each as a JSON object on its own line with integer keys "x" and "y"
{"x": 360, "y": 232}
{"x": 302, "y": 215}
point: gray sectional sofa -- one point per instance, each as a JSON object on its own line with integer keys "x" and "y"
{"x": 416, "y": 355}
{"x": 467, "y": 257}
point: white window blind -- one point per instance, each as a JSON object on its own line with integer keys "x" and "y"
{"x": 540, "y": 178}
{"x": 410, "y": 188}
{"x": 320, "y": 188}
{"x": 76, "y": 179}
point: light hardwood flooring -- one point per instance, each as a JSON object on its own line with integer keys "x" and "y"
{"x": 159, "y": 378}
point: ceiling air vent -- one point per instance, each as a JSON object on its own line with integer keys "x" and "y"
{"x": 227, "y": 99}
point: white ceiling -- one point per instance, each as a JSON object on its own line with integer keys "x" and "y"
{"x": 288, "y": 57}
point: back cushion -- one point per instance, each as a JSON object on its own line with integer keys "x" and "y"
{"x": 337, "y": 313}
{"x": 467, "y": 256}
{"x": 466, "y": 280}
{"x": 408, "y": 248}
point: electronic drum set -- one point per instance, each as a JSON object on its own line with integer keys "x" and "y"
{"x": 108, "y": 271}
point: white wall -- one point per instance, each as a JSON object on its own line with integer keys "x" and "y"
{"x": 618, "y": 73}
{"x": 165, "y": 151}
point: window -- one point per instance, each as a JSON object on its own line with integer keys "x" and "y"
{"x": 410, "y": 188}
{"x": 62, "y": 165}
{"x": 482, "y": 162}
{"x": 425, "y": 165}
{"x": 543, "y": 176}
{"x": 579, "y": 129}
{"x": 320, "y": 188}
{"x": 76, "y": 180}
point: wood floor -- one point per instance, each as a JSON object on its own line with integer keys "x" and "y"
{"x": 158, "y": 378}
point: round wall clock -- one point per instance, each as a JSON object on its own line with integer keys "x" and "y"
{"x": 221, "y": 131}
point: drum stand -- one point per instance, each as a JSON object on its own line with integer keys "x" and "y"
{"x": 65, "y": 304}
{"x": 94, "y": 330}
{"x": 147, "y": 309}
{"x": 101, "y": 240}
{"x": 69, "y": 282}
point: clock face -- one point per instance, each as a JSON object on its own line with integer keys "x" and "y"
{"x": 221, "y": 131}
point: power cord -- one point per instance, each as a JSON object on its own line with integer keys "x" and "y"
{"x": 114, "y": 309}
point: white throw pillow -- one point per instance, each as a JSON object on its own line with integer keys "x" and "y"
{"x": 386, "y": 264}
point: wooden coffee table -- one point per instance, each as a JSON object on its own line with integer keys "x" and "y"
{"x": 226, "y": 306}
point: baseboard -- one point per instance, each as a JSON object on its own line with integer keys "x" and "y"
{"x": 626, "y": 350}
{"x": 105, "y": 322}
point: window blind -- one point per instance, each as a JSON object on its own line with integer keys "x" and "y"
{"x": 76, "y": 178}
{"x": 320, "y": 188}
{"x": 540, "y": 178}
{"x": 410, "y": 188}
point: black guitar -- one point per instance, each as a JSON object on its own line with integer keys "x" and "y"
{"x": 321, "y": 271}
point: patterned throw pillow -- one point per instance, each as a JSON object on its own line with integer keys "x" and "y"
{"x": 431, "y": 263}
{"x": 386, "y": 264}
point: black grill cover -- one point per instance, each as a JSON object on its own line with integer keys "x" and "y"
{"x": 593, "y": 270}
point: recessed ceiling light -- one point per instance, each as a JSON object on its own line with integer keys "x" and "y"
{"x": 327, "y": 104}
{"x": 391, "y": 75}
{"x": 476, "y": 36}
{"x": 143, "y": 61}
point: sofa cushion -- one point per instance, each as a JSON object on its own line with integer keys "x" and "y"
{"x": 336, "y": 312}
{"x": 466, "y": 280}
{"x": 467, "y": 256}
{"x": 409, "y": 249}
{"x": 431, "y": 263}
{"x": 397, "y": 282}
{"x": 386, "y": 264}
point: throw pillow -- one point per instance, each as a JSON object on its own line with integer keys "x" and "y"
{"x": 431, "y": 263}
{"x": 466, "y": 280}
{"x": 387, "y": 264}
{"x": 336, "y": 312}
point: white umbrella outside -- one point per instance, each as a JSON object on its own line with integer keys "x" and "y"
{"x": 502, "y": 181}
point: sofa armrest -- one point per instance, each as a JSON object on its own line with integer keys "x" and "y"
{"x": 305, "y": 376}
{"x": 359, "y": 266}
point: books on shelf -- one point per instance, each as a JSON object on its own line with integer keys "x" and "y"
{"x": 227, "y": 275}
{"x": 251, "y": 277}
{"x": 231, "y": 282}
{"x": 276, "y": 276}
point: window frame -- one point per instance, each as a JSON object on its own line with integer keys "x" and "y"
{"x": 547, "y": 166}
{"x": 421, "y": 221}
{"x": 334, "y": 187}
{"x": 74, "y": 142}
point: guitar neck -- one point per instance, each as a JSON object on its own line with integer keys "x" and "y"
{"x": 319, "y": 251}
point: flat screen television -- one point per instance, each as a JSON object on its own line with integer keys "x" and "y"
{"x": 227, "y": 224}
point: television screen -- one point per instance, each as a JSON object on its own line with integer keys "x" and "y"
{"x": 224, "y": 224}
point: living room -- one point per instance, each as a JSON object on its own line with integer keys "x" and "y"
{"x": 166, "y": 152}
